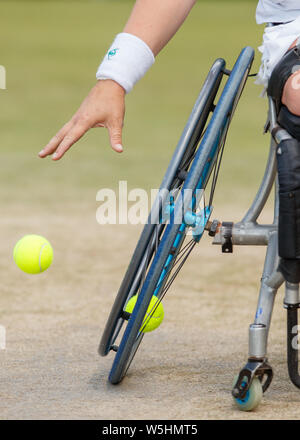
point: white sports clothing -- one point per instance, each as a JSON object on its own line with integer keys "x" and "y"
{"x": 126, "y": 61}
{"x": 277, "y": 11}
{"x": 277, "y": 39}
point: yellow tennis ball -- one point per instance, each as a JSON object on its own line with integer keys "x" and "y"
{"x": 154, "y": 315}
{"x": 33, "y": 254}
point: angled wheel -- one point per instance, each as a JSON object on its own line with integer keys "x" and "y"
{"x": 153, "y": 231}
{"x": 168, "y": 247}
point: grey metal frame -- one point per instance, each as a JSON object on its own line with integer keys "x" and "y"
{"x": 249, "y": 232}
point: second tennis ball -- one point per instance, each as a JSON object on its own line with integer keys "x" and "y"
{"x": 33, "y": 254}
{"x": 154, "y": 315}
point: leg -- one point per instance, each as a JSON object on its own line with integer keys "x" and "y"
{"x": 284, "y": 88}
{"x": 291, "y": 91}
{"x": 288, "y": 161}
{"x": 291, "y": 94}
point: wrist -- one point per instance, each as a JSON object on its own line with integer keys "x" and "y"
{"x": 126, "y": 61}
{"x": 112, "y": 85}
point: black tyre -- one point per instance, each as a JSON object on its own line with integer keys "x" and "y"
{"x": 174, "y": 178}
{"x": 168, "y": 253}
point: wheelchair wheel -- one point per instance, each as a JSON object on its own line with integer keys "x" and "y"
{"x": 167, "y": 250}
{"x": 252, "y": 398}
{"x": 173, "y": 179}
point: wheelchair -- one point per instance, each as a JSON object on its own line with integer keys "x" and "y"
{"x": 180, "y": 217}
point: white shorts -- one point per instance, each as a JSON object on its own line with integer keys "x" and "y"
{"x": 276, "y": 41}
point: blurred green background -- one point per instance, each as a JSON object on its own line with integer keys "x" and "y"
{"x": 51, "y": 50}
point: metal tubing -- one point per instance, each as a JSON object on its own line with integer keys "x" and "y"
{"x": 272, "y": 114}
{"x": 251, "y": 234}
{"x": 275, "y": 280}
{"x": 257, "y": 341}
{"x": 247, "y": 234}
{"x": 291, "y": 294}
{"x": 264, "y": 189}
{"x": 270, "y": 282}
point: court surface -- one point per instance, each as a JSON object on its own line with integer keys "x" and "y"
{"x": 50, "y": 368}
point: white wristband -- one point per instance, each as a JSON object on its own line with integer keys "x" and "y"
{"x": 126, "y": 61}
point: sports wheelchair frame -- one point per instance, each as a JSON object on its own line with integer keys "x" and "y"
{"x": 163, "y": 247}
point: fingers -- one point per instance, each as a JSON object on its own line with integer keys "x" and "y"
{"x": 103, "y": 107}
{"x": 56, "y": 140}
{"x": 115, "y": 135}
{"x": 71, "y": 137}
{"x": 71, "y": 133}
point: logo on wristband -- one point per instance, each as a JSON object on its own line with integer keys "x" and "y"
{"x": 112, "y": 53}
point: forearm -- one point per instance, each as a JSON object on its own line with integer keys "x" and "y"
{"x": 156, "y": 21}
{"x": 152, "y": 21}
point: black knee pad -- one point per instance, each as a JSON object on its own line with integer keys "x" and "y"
{"x": 289, "y": 121}
{"x": 288, "y": 65}
{"x": 288, "y": 164}
{"x": 290, "y": 269}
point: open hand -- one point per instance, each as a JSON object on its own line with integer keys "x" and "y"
{"x": 103, "y": 107}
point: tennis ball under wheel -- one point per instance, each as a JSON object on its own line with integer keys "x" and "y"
{"x": 33, "y": 254}
{"x": 154, "y": 315}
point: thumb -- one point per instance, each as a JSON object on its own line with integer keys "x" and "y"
{"x": 115, "y": 136}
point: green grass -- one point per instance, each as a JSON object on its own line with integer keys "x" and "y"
{"x": 51, "y": 51}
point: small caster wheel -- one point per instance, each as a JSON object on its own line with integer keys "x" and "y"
{"x": 253, "y": 396}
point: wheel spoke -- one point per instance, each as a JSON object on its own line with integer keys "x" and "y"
{"x": 134, "y": 350}
{"x": 182, "y": 260}
{"x": 218, "y": 163}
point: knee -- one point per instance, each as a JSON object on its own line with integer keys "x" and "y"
{"x": 291, "y": 93}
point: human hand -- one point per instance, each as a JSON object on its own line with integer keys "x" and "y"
{"x": 103, "y": 107}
